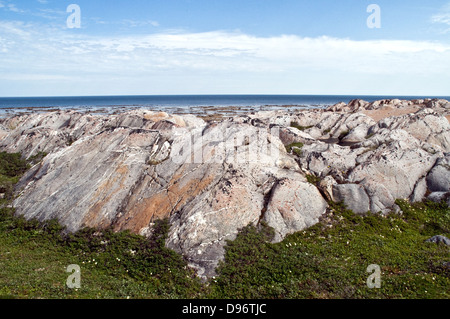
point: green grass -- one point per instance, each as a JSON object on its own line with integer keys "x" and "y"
{"x": 313, "y": 179}
{"x": 295, "y": 148}
{"x": 12, "y": 166}
{"x": 35, "y": 256}
{"x": 328, "y": 260}
{"x": 300, "y": 127}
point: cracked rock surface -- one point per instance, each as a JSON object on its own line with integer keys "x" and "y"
{"x": 211, "y": 179}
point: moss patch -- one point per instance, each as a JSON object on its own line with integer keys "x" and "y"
{"x": 295, "y": 148}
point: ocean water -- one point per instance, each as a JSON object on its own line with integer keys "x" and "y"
{"x": 182, "y": 103}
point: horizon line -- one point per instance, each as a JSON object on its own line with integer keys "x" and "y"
{"x": 226, "y": 94}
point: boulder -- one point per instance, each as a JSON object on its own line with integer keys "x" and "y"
{"x": 439, "y": 239}
{"x": 438, "y": 197}
{"x": 438, "y": 180}
{"x": 293, "y": 206}
{"x": 354, "y": 196}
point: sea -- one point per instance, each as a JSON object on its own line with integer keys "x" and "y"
{"x": 183, "y": 103}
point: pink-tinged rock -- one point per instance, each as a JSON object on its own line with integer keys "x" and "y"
{"x": 293, "y": 206}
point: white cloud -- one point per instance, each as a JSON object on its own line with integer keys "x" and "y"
{"x": 10, "y": 7}
{"x": 443, "y": 16}
{"x": 222, "y": 56}
{"x": 139, "y": 23}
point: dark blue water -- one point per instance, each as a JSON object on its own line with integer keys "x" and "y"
{"x": 185, "y": 102}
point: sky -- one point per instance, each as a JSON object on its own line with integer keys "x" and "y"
{"x": 158, "y": 47}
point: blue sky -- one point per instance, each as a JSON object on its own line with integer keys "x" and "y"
{"x": 224, "y": 47}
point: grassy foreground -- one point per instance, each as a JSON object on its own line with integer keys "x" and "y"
{"x": 329, "y": 260}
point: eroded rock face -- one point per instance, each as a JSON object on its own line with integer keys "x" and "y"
{"x": 211, "y": 179}
{"x": 126, "y": 172}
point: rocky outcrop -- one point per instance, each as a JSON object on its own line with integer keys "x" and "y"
{"x": 360, "y": 105}
{"x": 211, "y": 179}
{"x": 127, "y": 171}
{"x": 439, "y": 239}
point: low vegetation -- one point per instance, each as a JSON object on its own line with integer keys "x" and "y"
{"x": 300, "y": 127}
{"x": 313, "y": 179}
{"x": 328, "y": 260}
{"x": 295, "y": 148}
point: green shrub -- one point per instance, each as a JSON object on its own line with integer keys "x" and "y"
{"x": 300, "y": 127}
{"x": 313, "y": 179}
{"x": 330, "y": 259}
{"x": 12, "y": 165}
{"x": 295, "y": 148}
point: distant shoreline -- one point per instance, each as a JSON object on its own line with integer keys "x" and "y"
{"x": 202, "y": 105}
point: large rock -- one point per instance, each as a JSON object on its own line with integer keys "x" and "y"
{"x": 438, "y": 180}
{"x": 209, "y": 180}
{"x": 439, "y": 239}
{"x": 293, "y": 206}
{"x": 324, "y": 159}
{"x": 392, "y": 172}
{"x": 354, "y": 196}
{"x": 426, "y": 125}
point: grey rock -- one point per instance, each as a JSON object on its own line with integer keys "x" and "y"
{"x": 354, "y": 196}
{"x": 420, "y": 191}
{"x": 438, "y": 197}
{"x": 210, "y": 180}
{"x": 438, "y": 180}
{"x": 439, "y": 239}
{"x": 293, "y": 206}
